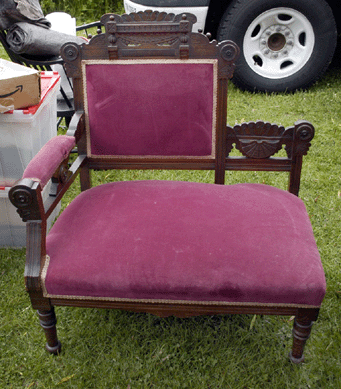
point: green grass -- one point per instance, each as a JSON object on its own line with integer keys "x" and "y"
{"x": 115, "y": 349}
{"x": 85, "y": 11}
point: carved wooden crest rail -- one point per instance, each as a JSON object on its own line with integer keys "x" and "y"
{"x": 135, "y": 35}
{"x": 119, "y": 29}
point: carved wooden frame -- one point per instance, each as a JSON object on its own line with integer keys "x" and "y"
{"x": 158, "y": 35}
{"x": 143, "y": 36}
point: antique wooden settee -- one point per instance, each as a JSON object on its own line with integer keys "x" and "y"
{"x": 151, "y": 94}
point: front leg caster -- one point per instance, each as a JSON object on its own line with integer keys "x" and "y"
{"x": 48, "y": 322}
{"x": 301, "y": 333}
{"x": 294, "y": 360}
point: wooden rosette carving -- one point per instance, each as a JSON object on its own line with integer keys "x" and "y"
{"x": 256, "y": 139}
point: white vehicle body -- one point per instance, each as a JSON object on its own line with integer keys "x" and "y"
{"x": 199, "y": 12}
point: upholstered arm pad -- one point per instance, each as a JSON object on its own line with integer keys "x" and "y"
{"x": 45, "y": 163}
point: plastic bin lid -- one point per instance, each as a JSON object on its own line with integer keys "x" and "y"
{"x": 48, "y": 80}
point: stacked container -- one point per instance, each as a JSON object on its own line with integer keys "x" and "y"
{"x": 22, "y": 135}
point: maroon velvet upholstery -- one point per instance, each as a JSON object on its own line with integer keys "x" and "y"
{"x": 164, "y": 240}
{"x": 151, "y": 108}
{"x": 45, "y": 163}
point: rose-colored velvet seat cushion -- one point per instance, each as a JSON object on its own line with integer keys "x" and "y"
{"x": 169, "y": 240}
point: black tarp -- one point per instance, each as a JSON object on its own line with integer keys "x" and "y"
{"x": 29, "y": 31}
{"x": 29, "y": 11}
{"x": 27, "y": 38}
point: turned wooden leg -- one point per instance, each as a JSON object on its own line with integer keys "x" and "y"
{"x": 48, "y": 322}
{"x": 301, "y": 333}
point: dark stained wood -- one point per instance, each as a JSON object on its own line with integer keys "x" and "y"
{"x": 301, "y": 332}
{"x": 154, "y": 35}
{"x": 35, "y": 254}
{"x": 259, "y": 142}
{"x": 48, "y": 323}
{"x": 77, "y": 129}
{"x": 303, "y": 134}
{"x": 159, "y": 35}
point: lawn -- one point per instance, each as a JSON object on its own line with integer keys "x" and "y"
{"x": 116, "y": 349}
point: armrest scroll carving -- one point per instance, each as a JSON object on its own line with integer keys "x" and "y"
{"x": 26, "y": 197}
{"x": 304, "y": 133}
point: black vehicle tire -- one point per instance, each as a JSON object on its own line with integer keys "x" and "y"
{"x": 285, "y": 44}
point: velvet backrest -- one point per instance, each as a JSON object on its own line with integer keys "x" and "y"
{"x": 150, "y": 107}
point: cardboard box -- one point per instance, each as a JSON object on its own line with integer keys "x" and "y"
{"x": 19, "y": 86}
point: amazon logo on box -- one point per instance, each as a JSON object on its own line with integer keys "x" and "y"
{"x": 19, "y": 86}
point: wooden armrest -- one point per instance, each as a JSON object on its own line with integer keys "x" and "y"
{"x": 42, "y": 167}
{"x": 26, "y": 196}
{"x": 50, "y": 163}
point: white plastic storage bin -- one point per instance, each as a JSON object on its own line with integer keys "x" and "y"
{"x": 12, "y": 228}
{"x": 24, "y": 132}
